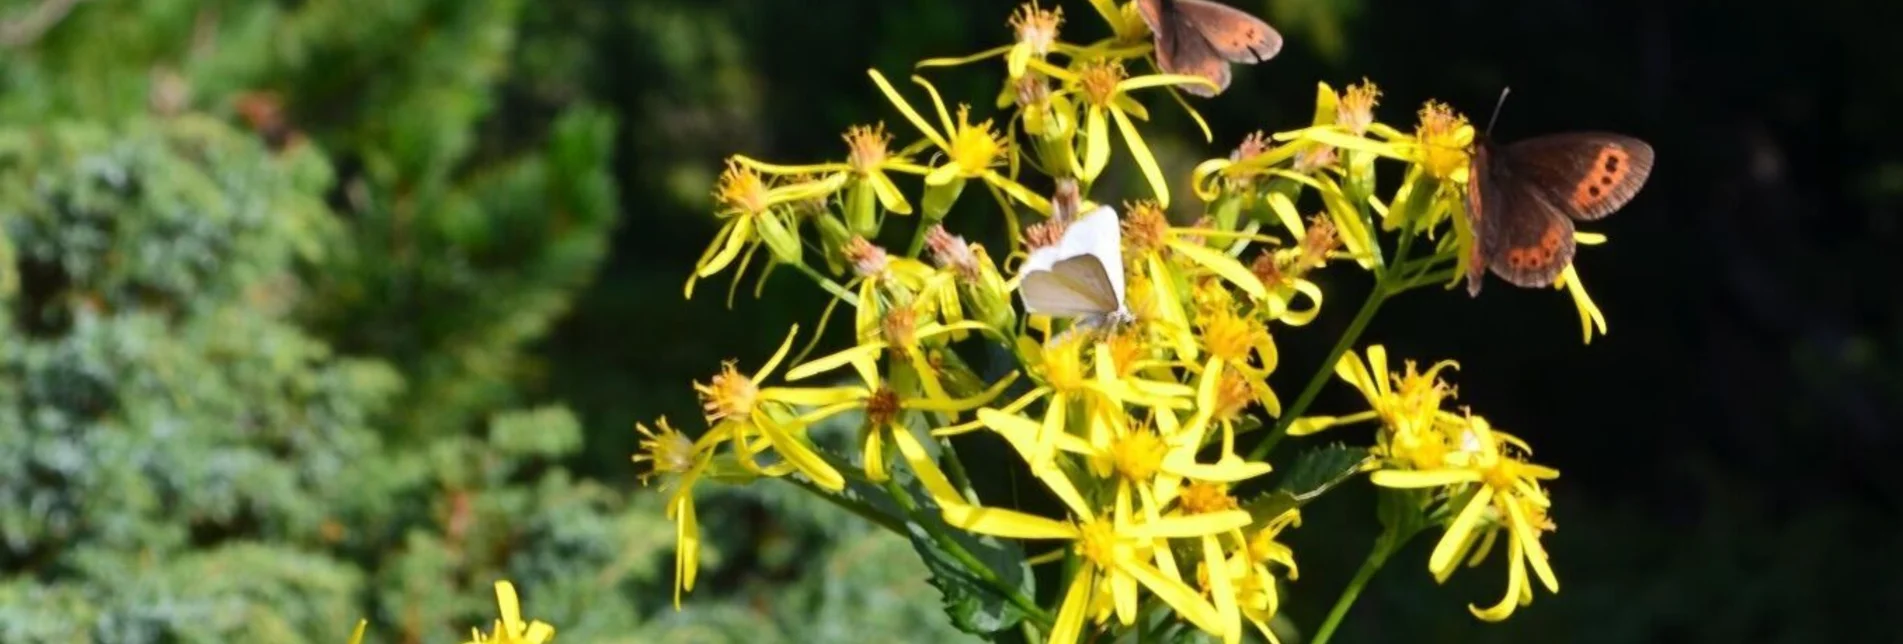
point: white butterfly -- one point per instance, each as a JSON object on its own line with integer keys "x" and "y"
{"x": 1080, "y": 276}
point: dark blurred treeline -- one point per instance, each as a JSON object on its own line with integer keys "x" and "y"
{"x": 505, "y": 198}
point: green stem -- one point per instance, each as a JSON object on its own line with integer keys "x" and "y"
{"x": 1314, "y": 387}
{"x": 863, "y": 510}
{"x": 1376, "y": 558}
{"x": 918, "y": 237}
{"x": 954, "y": 467}
{"x": 828, "y": 284}
{"x": 971, "y": 563}
{"x": 1383, "y": 278}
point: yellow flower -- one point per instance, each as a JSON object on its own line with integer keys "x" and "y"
{"x": 1443, "y": 137}
{"x": 1105, "y": 88}
{"x": 1064, "y": 381}
{"x": 1150, "y": 243}
{"x": 754, "y": 215}
{"x": 1114, "y": 553}
{"x": 510, "y": 629}
{"x": 971, "y": 150}
{"x": 671, "y": 454}
{"x": 1036, "y": 30}
{"x": 1497, "y": 492}
{"x": 1407, "y": 402}
{"x": 740, "y": 411}
{"x": 1355, "y": 112}
{"x": 884, "y": 410}
{"x": 1589, "y": 315}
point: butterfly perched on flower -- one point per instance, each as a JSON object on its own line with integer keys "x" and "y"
{"x": 1081, "y": 274}
{"x": 1523, "y": 197}
{"x": 1202, "y": 37}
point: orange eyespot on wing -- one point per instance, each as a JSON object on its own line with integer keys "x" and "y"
{"x": 1612, "y": 165}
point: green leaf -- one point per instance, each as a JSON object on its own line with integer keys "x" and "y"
{"x": 1315, "y": 473}
{"x": 974, "y": 605}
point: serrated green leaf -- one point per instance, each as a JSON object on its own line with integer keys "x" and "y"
{"x": 974, "y": 605}
{"x": 1315, "y": 473}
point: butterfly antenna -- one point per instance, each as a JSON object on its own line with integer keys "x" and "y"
{"x": 1496, "y": 109}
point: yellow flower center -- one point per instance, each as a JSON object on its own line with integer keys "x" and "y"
{"x": 1203, "y": 498}
{"x": 1229, "y": 336}
{"x": 901, "y": 327}
{"x": 1138, "y": 455}
{"x": 1442, "y": 152}
{"x": 1064, "y": 365}
{"x": 1127, "y": 349}
{"x": 1233, "y": 395}
{"x": 1098, "y": 80}
{"x": 1356, "y": 109}
{"x": 1501, "y": 477}
{"x": 974, "y": 147}
{"x": 1145, "y": 227}
{"x": 670, "y": 451}
{"x": 883, "y": 407}
{"x": 866, "y": 147}
{"x": 868, "y": 259}
{"x": 1098, "y": 543}
{"x": 728, "y": 395}
{"x": 1036, "y": 27}
{"x": 741, "y": 190}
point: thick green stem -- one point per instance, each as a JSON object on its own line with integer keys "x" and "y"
{"x": 971, "y": 563}
{"x": 1327, "y": 369}
{"x": 1376, "y": 558}
{"x": 863, "y": 510}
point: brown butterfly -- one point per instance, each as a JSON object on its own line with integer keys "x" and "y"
{"x": 1202, "y": 37}
{"x": 1522, "y": 199}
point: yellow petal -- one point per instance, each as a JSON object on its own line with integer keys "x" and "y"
{"x": 835, "y": 361}
{"x": 1187, "y": 602}
{"x": 1070, "y": 616}
{"x": 925, "y": 468}
{"x": 1422, "y": 478}
{"x": 1222, "y": 590}
{"x": 1193, "y": 525}
{"x": 1096, "y": 143}
{"x": 1459, "y": 532}
{"x": 889, "y": 196}
{"x": 952, "y": 62}
{"x": 1528, "y": 537}
{"x": 938, "y": 104}
{"x": 1223, "y": 265}
{"x": 875, "y": 455}
{"x": 1285, "y": 212}
{"x": 772, "y": 168}
{"x": 356, "y": 636}
{"x": 1228, "y": 470}
{"x": 1145, "y": 160}
{"x": 785, "y": 346}
{"x": 802, "y": 457}
{"x": 738, "y": 233}
{"x": 1516, "y": 580}
{"x": 999, "y": 522}
{"x": 814, "y": 396}
{"x": 510, "y": 606}
{"x": 906, "y": 109}
{"x": 1018, "y": 192}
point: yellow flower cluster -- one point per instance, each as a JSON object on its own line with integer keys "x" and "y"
{"x": 509, "y": 627}
{"x": 1131, "y": 423}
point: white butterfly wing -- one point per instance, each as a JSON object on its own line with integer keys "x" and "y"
{"x": 1082, "y": 274}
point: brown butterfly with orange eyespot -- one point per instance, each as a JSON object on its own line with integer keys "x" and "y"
{"x": 1202, "y": 37}
{"x": 1523, "y": 197}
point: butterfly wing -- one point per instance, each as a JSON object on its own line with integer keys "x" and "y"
{"x": 1520, "y": 232}
{"x": 1181, "y": 48}
{"x": 1588, "y": 175}
{"x": 1073, "y": 287}
{"x": 1082, "y": 274}
{"x": 1233, "y": 33}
